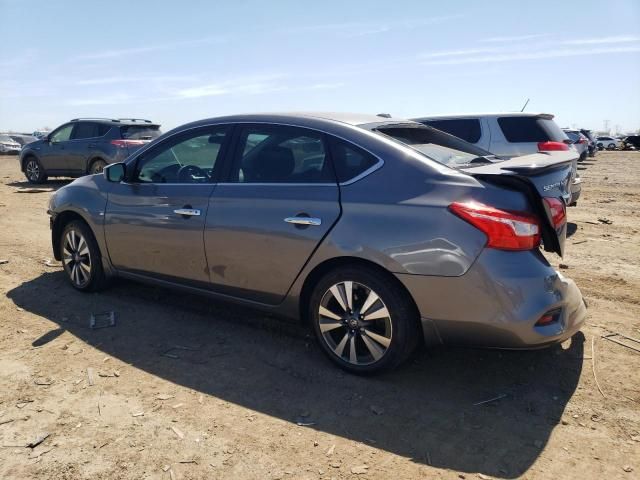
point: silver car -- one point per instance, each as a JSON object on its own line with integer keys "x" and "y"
{"x": 8, "y": 145}
{"x": 380, "y": 233}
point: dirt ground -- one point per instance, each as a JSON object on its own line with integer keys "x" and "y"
{"x": 186, "y": 388}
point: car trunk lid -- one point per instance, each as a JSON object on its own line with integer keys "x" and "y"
{"x": 546, "y": 180}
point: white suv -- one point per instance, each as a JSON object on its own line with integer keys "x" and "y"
{"x": 509, "y": 134}
{"x": 610, "y": 143}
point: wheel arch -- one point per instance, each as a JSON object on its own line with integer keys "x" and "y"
{"x": 25, "y": 158}
{"x": 339, "y": 262}
{"x": 62, "y": 220}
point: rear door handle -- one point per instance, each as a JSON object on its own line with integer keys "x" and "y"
{"x": 304, "y": 221}
{"x": 187, "y": 212}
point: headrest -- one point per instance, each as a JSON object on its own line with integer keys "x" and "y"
{"x": 274, "y": 163}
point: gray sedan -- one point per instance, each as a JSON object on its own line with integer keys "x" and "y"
{"x": 380, "y": 233}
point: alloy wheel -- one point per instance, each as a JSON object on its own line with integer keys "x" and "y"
{"x": 355, "y": 323}
{"x": 33, "y": 170}
{"x": 77, "y": 258}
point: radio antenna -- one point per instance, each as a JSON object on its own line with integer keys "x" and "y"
{"x": 525, "y": 105}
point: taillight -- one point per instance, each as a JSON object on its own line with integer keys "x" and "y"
{"x": 127, "y": 143}
{"x": 548, "y": 318}
{"x": 558, "y": 211}
{"x": 552, "y": 146}
{"x": 504, "y": 230}
{"x": 582, "y": 140}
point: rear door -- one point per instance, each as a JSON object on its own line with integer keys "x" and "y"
{"x": 279, "y": 201}
{"x": 79, "y": 148}
{"x": 155, "y": 220}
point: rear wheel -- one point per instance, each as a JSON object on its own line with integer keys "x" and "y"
{"x": 611, "y": 146}
{"x": 363, "y": 320}
{"x": 33, "y": 171}
{"x": 81, "y": 257}
{"x": 97, "y": 166}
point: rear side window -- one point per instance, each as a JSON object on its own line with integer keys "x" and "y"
{"x": 278, "y": 154}
{"x": 89, "y": 130}
{"x": 530, "y": 129}
{"x": 140, "y": 132}
{"x": 350, "y": 161}
{"x": 467, "y": 129}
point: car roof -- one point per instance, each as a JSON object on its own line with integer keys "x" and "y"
{"x": 118, "y": 121}
{"x": 345, "y": 117}
{"x": 302, "y": 119}
{"x": 485, "y": 115}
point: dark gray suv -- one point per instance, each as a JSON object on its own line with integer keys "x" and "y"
{"x": 370, "y": 229}
{"x": 84, "y": 146}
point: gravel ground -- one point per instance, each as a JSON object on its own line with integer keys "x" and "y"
{"x": 183, "y": 387}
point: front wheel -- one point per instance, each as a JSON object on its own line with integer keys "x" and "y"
{"x": 364, "y": 321}
{"x": 81, "y": 257}
{"x": 611, "y": 146}
{"x": 33, "y": 171}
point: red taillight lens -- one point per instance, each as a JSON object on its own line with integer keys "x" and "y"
{"x": 552, "y": 146}
{"x": 127, "y": 143}
{"x": 558, "y": 211}
{"x": 548, "y": 318}
{"x": 504, "y": 230}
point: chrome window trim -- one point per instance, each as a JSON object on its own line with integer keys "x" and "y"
{"x": 351, "y": 181}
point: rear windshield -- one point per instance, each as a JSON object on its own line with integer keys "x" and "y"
{"x": 140, "y": 132}
{"x": 436, "y": 145}
{"x": 530, "y": 129}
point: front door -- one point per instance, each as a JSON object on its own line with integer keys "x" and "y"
{"x": 279, "y": 201}
{"x": 54, "y": 153}
{"x": 155, "y": 220}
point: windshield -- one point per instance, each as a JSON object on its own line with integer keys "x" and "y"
{"x": 6, "y": 138}
{"x": 436, "y": 145}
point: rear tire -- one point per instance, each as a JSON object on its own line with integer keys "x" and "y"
{"x": 81, "y": 258}
{"x": 378, "y": 329}
{"x": 97, "y": 166}
{"x": 611, "y": 146}
{"x": 34, "y": 171}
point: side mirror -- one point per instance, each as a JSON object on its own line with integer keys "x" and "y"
{"x": 115, "y": 172}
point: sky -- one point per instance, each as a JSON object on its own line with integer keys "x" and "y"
{"x": 175, "y": 62}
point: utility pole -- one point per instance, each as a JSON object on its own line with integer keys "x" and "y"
{"x": 606, "y": 126}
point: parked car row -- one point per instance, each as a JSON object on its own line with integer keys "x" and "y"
{"x": 370, "y": 229}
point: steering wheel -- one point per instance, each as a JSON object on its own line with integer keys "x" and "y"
{"x": 192, "y": 174}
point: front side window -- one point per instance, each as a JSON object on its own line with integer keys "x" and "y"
{"x": 186, "y": 159}
{"x": 279, "y": 154}
{"x": 62, "y": 134}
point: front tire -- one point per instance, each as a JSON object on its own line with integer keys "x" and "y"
{"x": 611, "y": 146}
{"x": 34, "y": 171}
{"x": 364, "y": 321}
{"x": 81, "y": 257}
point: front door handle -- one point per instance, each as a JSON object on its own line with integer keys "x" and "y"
{"x": 304, "y": 221}
{"x": 187, "y": 212}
